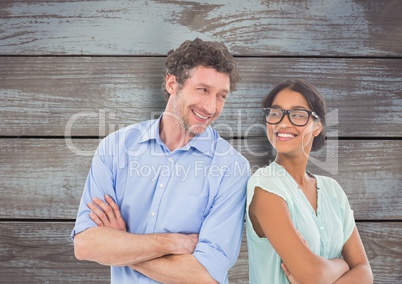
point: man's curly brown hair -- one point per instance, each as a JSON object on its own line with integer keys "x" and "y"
{"x": 196, "y": 53}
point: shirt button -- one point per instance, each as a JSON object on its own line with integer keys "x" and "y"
{"x": 153, "y": 213}
{"x": 161, "y": 185}
{"x": 170, "y": 159}
{"x": 321, "y": 228}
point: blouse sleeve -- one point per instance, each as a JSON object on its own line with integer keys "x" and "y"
{"x": 268, "y": 183}
{"x": 347, "y": 213}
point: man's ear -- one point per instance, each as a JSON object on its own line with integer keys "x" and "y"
{"x": 171, "y": 84}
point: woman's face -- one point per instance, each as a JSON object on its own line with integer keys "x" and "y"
{"x": 287, "y": 138}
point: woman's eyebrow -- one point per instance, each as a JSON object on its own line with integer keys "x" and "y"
{"x": 293, "y": 107}
{"x": 299, "y": 107}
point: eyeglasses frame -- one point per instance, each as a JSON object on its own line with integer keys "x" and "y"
{"x": 287, "y": 112}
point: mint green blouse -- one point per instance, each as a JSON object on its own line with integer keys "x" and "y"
{"x": 325, "y": 232}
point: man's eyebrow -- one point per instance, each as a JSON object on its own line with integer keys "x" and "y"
{"x": 225, "y": 90}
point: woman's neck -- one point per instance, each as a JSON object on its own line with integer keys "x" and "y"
{"x": 295, "y": 166}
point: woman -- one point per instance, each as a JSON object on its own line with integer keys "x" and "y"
{"x": 299, "y": 224}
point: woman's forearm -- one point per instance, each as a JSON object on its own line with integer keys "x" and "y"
{"x": 359, "y": 274}
{"x": 322, "y": 270}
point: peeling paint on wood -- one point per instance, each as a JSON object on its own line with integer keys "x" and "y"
{"x": 262, "y": 28}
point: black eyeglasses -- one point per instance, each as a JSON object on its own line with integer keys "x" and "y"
{"x": 298, "y": 117}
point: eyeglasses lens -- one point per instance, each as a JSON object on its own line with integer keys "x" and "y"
{"x": 297, "y": 117}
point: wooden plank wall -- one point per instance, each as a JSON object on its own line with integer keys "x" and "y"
{"x": 72, "y": 71}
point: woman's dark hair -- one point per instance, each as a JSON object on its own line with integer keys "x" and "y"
{"x": 313, "y": 97}
{"x": 195, "y": 53}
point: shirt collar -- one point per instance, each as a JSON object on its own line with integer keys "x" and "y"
{"x": 204, "y": 142}
{"x": 152, "y": 131}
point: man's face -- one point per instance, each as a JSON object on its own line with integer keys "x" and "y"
{"x": 200, "y": 99}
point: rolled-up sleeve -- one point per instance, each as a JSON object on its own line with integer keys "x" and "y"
{"x": 99, "y": 182}
{"x": 221, "y": 233}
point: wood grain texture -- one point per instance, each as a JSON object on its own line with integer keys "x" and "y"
{"x": 262, "y": 28}
{"x": 83, "y": 96}
{"x": 383, "y": 243}
{"x": 44, "y": 178}
{"x": 42, "y": 252}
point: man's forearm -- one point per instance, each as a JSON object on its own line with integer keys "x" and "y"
{"x": 175, "y": 269}
{"x": 108, "y": 246}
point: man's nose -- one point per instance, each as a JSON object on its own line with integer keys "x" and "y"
{"x": 210, "y": 104}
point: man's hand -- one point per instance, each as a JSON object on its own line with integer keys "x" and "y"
{"x": 106, "y": 214}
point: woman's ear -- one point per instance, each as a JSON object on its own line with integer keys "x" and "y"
{"x": 171, "y": 84}
{"x": 317, "y": 129}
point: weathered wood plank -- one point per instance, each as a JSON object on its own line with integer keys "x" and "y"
{"x": 321, "y": 28}
{"x": 44, "y": 179}
{"x": 42, "y": 252}
{"x": 383, "y": 244}
{"x": 83, "y": 96}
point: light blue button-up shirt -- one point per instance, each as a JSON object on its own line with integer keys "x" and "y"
{"x": 199, "y": 188}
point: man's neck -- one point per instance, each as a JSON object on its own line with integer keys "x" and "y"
{"x": 173, "y": 133}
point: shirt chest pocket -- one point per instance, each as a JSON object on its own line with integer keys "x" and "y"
{"x": 184, "y": 205}
{"x": 183, "y": 213}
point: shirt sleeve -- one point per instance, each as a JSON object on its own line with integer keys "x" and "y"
{"x": 270, "y": 185}
{"x": 222, "y": 230}
{"x": 348, "y": 216}
{"x": 99, "y": 182}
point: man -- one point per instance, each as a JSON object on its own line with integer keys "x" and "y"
{"x": 164, "y": 199}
